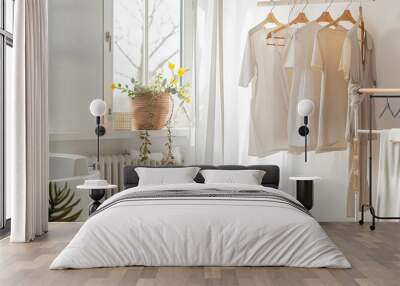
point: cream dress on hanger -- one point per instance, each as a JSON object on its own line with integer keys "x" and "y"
{"x": 262, "y": 65}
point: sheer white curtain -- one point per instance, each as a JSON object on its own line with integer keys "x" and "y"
{"x": 26, "y": 119}
{"x": 222, "y": 107}
{"x": 209, "y": 83}
{"x": 219, "y": 33}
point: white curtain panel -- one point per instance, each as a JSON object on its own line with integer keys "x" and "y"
{"x": 208, "y": 83}
{"x": 26, "y": 119}
{"x": 222, "y": 108}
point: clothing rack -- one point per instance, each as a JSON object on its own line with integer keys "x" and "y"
{"x": 269, "y": 3}
{"x": 374, "y": 93}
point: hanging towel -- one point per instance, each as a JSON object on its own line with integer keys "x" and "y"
{"x": 388, "y": 198}
{"x": 394, "y": 135}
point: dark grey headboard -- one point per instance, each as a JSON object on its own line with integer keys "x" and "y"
{"x": 270, "y": 179}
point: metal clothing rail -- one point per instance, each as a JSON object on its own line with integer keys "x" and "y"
{"x": 372, "y": 94}
{"x": 269, "y": 3}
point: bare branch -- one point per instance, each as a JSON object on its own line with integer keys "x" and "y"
{"x": 162, "y": 41}
{"x": 134, "y": 45}
{"x": 141, "y": 11}
{"x": 126, "y": 55}
{"x": 162, "y": 63}
{"x": 153, "y": 11}
{"x": 138, "y": 8}
{"x": 122, "y": 34}
{"x": 123, "y": 75}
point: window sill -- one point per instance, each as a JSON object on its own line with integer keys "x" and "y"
{"x": 176, "y": 132}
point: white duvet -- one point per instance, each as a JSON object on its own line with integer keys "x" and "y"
{"x": 219, "y": 232}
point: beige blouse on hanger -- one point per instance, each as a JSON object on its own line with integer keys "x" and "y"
{"x": 332, "y": 115}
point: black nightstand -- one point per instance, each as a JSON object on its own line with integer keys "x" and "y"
{"x": 305, "y": 190}
{"x": 96, "y": 193}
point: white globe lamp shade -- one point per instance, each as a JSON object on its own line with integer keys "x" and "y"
{"x": 305, "y": 107}
{"x": 98, "y": 107}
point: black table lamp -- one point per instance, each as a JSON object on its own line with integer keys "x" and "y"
{"x": 98, "y": 108}
{"x": 304, "y": 108}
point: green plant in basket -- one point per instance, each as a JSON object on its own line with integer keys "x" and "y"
{"x": 152, "y": 111}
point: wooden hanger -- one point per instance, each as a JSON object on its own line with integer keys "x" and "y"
{"x": 271, "y": 19}
{"x": 300, "y": 19}
{"x": 326, "y": 16}
{"x": 345, "y": 17}
{"x": 363, "y": 33}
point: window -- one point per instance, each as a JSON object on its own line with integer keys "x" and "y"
{"x": 6, "y": 43}
{"x": 146, "y": 35}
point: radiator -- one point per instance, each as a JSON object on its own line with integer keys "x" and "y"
{"x": 112, "y": 168}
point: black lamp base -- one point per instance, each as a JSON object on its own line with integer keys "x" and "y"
{"x": 100, "y": 130}
{"x": 96, "y": 195}
{"x": 304, "y": 131}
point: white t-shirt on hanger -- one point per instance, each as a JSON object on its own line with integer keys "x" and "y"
{"x": 263, "y": 66}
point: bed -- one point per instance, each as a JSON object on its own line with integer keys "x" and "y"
{"x": 198, "y": 224}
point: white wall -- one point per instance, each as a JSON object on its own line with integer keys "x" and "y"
{"x": 75, "y": 63}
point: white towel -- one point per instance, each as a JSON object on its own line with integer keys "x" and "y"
{"x": 394, "y": 135}
{"x": 388, "y": 197}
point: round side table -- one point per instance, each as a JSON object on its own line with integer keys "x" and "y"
{"x": 96, "y": 193}
{"x": 305, "y": 190}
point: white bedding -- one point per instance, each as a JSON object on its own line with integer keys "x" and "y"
{"x": 199, "y": 231}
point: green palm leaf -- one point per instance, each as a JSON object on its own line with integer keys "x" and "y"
{"x": 73, "y": 217}
{"x": 62, "y": 203}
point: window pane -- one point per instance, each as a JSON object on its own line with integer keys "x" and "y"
{"x": 127, "y": 47}
{"x": 8, "y": 87}
{"x": 9, "y": 15}
{"x": 164, "y": 34}
{"x": 165, "y": 45}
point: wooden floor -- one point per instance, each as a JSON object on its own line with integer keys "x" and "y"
{"x": 375, "y": 257}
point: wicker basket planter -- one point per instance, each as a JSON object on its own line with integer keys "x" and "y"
{"x": 150, "y": 112}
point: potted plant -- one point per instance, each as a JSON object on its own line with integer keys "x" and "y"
{"x": 153, "y": 107}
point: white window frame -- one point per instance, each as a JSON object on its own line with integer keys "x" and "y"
{"x": 186, "y": 44}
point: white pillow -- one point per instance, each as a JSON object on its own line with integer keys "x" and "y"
{"x": 166, "y": 176}
{"x": 248, "y": 177}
